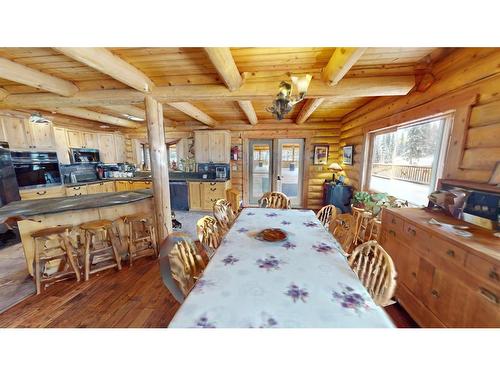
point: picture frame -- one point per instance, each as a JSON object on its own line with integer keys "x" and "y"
{"x": 321, "y": 154}
{"x": 348, "y": 152}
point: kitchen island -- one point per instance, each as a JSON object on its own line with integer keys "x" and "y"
{"x": 43, "y": 213}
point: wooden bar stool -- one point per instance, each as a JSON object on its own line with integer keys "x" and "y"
{"x": 101, "y": 244}
{"x": 52, "y": 244}
{"x": 140, "y": 235}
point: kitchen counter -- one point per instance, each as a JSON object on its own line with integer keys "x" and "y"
{"x": 52, "y": 205}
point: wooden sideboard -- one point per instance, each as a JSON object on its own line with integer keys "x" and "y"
{"x": 444, "y": 280}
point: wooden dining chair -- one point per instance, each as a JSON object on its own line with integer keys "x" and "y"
{"x": 327, "y": 214}
{"x": 362, "y": 227}
{"x": 224, "y": 215}
{"x": 181, "y": 257}
{"x": 209, "y": 234}
{"x": 376, "y": 271}
{"x": 374, "y": 230}
{"x": 342, "y": 228}
{"x": 275, "y": 199}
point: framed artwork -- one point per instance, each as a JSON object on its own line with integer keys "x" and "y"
{"x": 348, "y": 151}
{"x": 320, "y": 154}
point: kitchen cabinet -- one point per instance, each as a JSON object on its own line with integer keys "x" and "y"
{"x": 101, "y": 187}
{"x": 21, "y": 134}
{"x": 122, "y": 186}
{"x": 75, "y": 138}
{"x": 203, "y": 194}
{"x": 41, "y": 193}
{"x": 76, "y": 190}
{"x": 61, "y": 145}
{"x": 90, "y": 140}
{"x": 107, "y": 150}
{"x": 212, "y": 146}
{"x": 121, "y": 155}
{"x": 128, "y": 185}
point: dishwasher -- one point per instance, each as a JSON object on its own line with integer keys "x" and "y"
{"x": 179, "y": 195}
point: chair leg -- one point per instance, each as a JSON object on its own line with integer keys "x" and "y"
{"x": 86, "y": 255}
{"x": 131, "y": 247}
{"x": 69, "y": 253}
{"x": 37, "y": 269}
{"x": 114, "y": 247}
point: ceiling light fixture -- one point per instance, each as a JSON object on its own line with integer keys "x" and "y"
{"x": 38, "y": 118}
{"x": 285, "y": 101}
{"x": 104, "y": 126}
{"x": 133, "y": 118}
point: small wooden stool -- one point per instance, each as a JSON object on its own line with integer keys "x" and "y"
{"x": 100, "y": 240}
{"x": 46, "y": 250}
{"x": 141, "y": 236}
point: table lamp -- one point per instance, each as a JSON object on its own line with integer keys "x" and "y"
{"x": 335, "y": 167}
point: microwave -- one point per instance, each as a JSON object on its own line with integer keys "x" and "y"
{"x": 84, "y": 155}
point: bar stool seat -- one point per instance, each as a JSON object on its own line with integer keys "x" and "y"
{"x": 141, "y": 238}
{"x": 53, "y": 244}
{"x": 101, "y": 244}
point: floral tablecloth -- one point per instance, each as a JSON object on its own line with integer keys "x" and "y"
{"x": 301, "y": 282}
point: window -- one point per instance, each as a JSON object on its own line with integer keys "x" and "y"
{"x": 145, "y": 157}
{"x": 405, "y": 161}
{"x": 173, "y": 163}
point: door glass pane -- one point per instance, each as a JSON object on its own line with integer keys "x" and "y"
{"x": 290, "y": 169}
{"x": 260, "y": 169}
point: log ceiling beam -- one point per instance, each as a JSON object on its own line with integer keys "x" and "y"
{"x": 106, "y": 62}
{"x": 127, "y": 110}
{"x": 194, "y": 112}
{"x": 3, "y": 94}
{"x": 94, "y": 116}
{"x": 307, "y": 109}
{"x": 15, "y": 72}
{"x": 339, "y": 64}
{"x": 247, "y": 107}
{"x": 223, "y": 61}
{"x": 346, "y": 88}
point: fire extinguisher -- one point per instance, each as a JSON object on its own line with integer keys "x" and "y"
{"x": 234, "y": 152}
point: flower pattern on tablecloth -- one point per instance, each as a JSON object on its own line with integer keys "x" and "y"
{"x": 272, "y": 214}
{"x": 289, "y": 246}
{"x": 242, "y": 230}
{"x": 203, "y": 322}
{"x": 250, "y": 213}
{"x": 268, "y": 321}
{"x": 310, "y": 224}
{"x": 269, "y": 263}
{"x": 323, "y": 248}
{"x": 284, "y": 222}
{"x": 229, "y": 260}
{"x": 202, "y": 284}
{"x": 296, "y": 293}
{"x": 350, "y": 299}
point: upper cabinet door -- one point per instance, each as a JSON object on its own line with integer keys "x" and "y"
{"x": 202, "y": 147}
{"x": 75, "y": 138}
{"x": 42, "y": 137}
{"x": 61, "y": 145}
{"x": 90, "y": 140}
{"x": 107, "y": 151}
{"x": 17, "y": 133}
{"x": 220, "y": 146}
{"x": 121, "y": 155}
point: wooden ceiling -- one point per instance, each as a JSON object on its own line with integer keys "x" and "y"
{"x": 204, "y": 86}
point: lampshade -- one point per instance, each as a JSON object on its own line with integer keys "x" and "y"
{"x": 335, "y": 167}
{"x": 302, "y": 83}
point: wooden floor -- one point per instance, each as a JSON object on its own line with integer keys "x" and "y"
{"x": 133, "y": 297}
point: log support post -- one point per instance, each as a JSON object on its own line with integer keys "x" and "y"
{"x": 159, "y": 167}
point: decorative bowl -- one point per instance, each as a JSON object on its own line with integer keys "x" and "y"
{"x": 272, "y": 235}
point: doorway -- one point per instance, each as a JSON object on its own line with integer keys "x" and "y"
{"x": 275, "y": 165}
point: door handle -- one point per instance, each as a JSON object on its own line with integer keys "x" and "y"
{"x": 278, "y": 178}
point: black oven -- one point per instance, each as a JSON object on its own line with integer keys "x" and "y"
{"x": 35, "y": 169}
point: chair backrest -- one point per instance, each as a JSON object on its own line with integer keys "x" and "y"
{"x": 275, "y": 199}
{"x": 342, "y": 227}
{"x": 186, "y": 264}
{"x": 327, "y": 214}
{"x": 223, "y": 214}
{"x": 374, "y": 230}
{"x": 165, "y": 268}
{"x": 376, "y": 271}
{"x": 208, "y": 232}
{"x": 362, "y": 227}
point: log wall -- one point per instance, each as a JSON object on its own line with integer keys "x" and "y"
{"x": 469, "y": 70}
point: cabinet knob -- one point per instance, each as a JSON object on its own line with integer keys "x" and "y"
{"x": 414, "y": 274}
{"x": 43, "y": 192}
{"x": 435, "y": 293}
{"x": 493, "y": 275}
{"x": 490, "y": 296}
{"x": 412, "y": 231}
{"x": 450, "y": 253}
{"x": 391, "y": 232}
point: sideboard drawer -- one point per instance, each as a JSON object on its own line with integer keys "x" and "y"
{"x": 392, "y": 222}
{"x": 416, "y": 237}
{"x": 483, "y": 269}
{"x": 449, "y": 251}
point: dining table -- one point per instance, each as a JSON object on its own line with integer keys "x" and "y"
{"x": 303, "y": 281}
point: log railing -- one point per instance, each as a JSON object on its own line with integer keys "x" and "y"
{"x": 410, "y": 173}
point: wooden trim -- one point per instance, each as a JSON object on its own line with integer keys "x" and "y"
{"x": 128, "y": 110}
{"x": 194, "y": 112}
{"x": 106, "y": 62}
{"x": 307, "y": 109}
{"x": 15, "y": 72}
{"x": 95, "y": 116}
{"x": 247, "y": 107}
{"x": 457, "y": 141}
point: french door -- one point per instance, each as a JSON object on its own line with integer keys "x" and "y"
{"x": 275, "y": 165}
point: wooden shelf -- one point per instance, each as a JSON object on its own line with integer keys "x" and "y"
{"x": 471, "y": 185}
